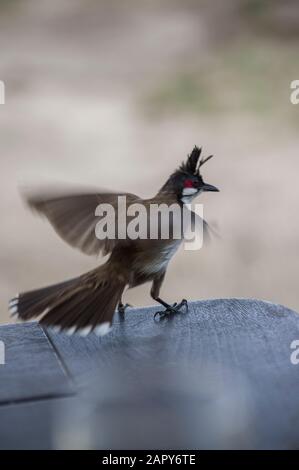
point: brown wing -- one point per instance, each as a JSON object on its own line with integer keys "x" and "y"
{"x": 73, "y": 217}
{"x": 208, "y": 232}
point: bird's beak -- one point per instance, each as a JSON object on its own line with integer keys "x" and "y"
{"x": 210, "y": 187}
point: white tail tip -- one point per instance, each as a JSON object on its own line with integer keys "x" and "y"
{"x": 103, "y": 329}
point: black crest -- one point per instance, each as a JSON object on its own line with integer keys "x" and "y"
{"x": 194, "y": 162}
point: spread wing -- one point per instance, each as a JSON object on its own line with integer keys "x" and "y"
{"x": 197, "y": 223}
{"x": 73, "y": 217}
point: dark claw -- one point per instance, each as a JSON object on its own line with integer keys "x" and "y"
{"x": 172, "y": 310}
{"x": 122, "y": 308}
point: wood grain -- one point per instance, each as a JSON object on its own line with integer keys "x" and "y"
{"x": 32, "y": 369}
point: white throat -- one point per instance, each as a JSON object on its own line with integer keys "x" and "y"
{"x": 188, "y": 194}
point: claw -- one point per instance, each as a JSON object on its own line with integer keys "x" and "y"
{"x": 122, "y": 308}
{"x": 161, "y": 314}
{"x": 172, "y": 310}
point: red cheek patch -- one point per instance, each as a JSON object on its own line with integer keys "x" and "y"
{"x": 188, "y": 184}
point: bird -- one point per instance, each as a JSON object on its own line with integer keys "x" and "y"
{"x": 87, "y": 303}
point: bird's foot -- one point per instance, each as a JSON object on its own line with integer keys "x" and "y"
{"x": 122, "y": 308}
{"x": 172, "y": 310}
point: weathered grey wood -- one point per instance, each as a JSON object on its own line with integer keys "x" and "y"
{"x": 217, "y": 377}
{"x": 241, "y": 348}
{"x": 32, "y": 369}
{"x": 30, "y": 425}
{"x": 230, "y": 332}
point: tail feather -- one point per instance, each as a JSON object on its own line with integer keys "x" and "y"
{"x": 32, "y": 303}
{"x": 83, "y": 304}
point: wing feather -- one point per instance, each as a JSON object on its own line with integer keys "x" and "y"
{"x": 73, "y": 217}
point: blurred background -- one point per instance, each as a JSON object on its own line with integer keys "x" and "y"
{"x": 115, "y": 94}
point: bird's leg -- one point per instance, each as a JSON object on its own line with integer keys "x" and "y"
{"x": 121, "y": 308}
{"x": 169, "y": 309}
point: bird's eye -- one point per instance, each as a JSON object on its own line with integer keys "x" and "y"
{"x": 188, "y": 184}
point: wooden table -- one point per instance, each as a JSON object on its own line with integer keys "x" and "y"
{"x": 219, "y": 376}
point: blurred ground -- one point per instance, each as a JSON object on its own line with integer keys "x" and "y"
{"x": 115, "y": 94}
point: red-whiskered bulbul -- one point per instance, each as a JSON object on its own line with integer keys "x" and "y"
{"x": 87, "y": 303}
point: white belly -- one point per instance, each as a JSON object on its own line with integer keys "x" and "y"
{"x": 160, "y": 262}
